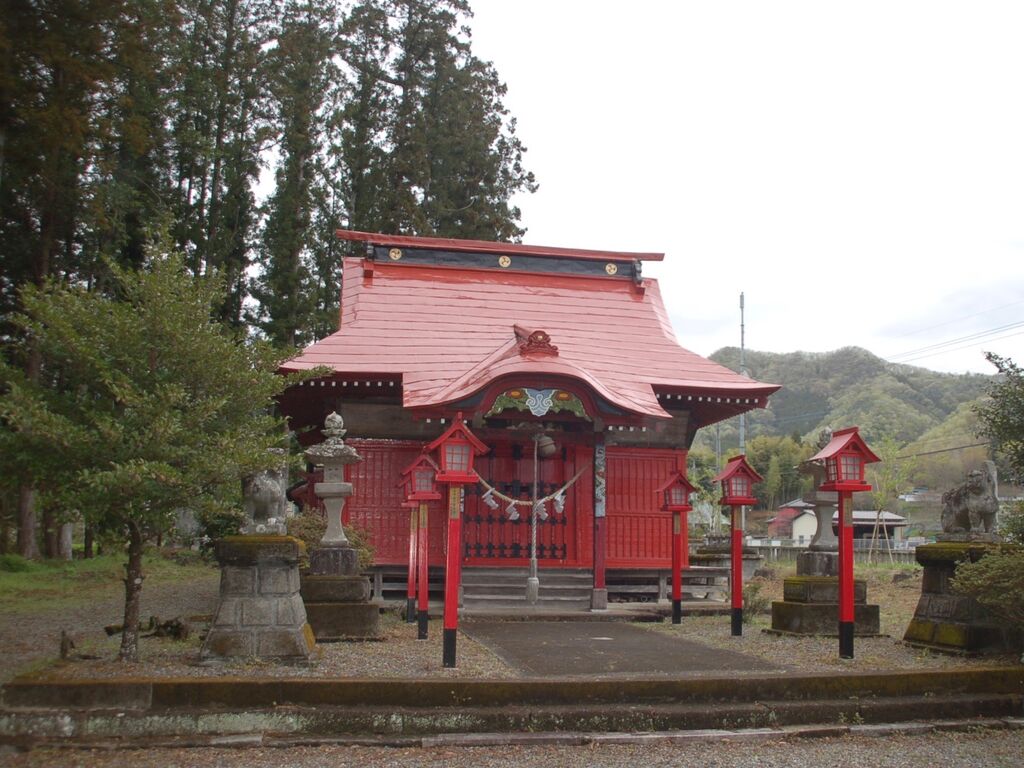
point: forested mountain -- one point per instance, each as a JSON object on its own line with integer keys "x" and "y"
{"x": 850, "y": 386}
{"x": 920, "y": 419}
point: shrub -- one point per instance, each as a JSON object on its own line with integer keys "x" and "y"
{"x": 996, "y": 581}
{"x": 754, "y": 602}
{"x": 309, "y": 527}
{"x": 217, "y": 522}
{"x": 17, "y": 564}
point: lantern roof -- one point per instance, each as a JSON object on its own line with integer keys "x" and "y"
{"x": 423, "y": 458}
{"x": 738, "y": 465}
{"x": 459, "y": 431}
{"x": 447, "y": 318}
{"x": 677, "y": 478}
{"x": 846, "y": 441}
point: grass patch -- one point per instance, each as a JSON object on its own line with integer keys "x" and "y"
{"x": 54, "y": 584}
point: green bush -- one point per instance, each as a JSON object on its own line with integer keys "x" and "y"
{"x": 1011, "y": 522}
{"x": 216, "y": 523}
{"x": 753, "y": 601}
{"x": 309, "y": 527}
{"x": 17, "y": 564}
{"x": 996, "y": 581}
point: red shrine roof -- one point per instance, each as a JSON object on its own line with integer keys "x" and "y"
{"x": 451, "y": 316}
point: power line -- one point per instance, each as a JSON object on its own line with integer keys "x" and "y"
{"x": 964, "y": 346}
{"x": 949, "y": 342}
{"x": 958, "y": 319}
{"x": 941, "y": 450}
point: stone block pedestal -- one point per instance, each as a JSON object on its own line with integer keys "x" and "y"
{"x": 337, "y": 596}
{"x": 810, "y": 600}
{"x": 946, "y": 621}
{"x": 260, "y": 613}
{"x": 810, "y": 606}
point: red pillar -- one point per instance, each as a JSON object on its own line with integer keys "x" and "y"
{"x": 737, "y": 573}
{"x": 451, "y": 574}
{"x": 422, "y": 564}
{"x": 845, "y": 577}
{"x": 677, "y": 567}
{"x": 410, "y": 589}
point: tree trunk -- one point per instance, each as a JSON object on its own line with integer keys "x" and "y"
{"x": 51, "y": 543}
{"x": 27, "y": 546}
{"x": 87, "y": 552}
{"x": 132, "y": 591}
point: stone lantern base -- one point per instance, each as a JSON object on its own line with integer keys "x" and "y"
{"x": 260, "y": 613}
{"x": 810, "y": 600}
{"x": 337, "y": 596}
{"x": 946, "y": 621}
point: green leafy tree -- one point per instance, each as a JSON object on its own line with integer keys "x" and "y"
{"x": 1002, "y": 415}
{"x": 145, "y": 405}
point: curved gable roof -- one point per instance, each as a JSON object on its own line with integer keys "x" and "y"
{"x": 450, "y": 331}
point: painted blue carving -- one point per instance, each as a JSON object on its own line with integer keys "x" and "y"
{"x": 539, "y": 401}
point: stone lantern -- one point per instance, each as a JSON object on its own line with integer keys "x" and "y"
{"x": 335, "y": 593}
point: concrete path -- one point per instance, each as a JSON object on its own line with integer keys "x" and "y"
{"x": 561, "y": 648}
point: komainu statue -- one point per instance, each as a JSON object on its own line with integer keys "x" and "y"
{"x": 972, "y": 506}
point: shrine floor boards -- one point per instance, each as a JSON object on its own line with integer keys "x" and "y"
{"x": 569, "y": 648}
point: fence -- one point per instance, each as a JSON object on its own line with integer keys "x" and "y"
{"x": 861, "y": 552}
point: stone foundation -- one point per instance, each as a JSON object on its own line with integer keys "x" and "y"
{"x": 946, "y": 621}
{"x": 260, "y": 612}
{"x": 337, "y": 596}
{"x": 810, "y": 600}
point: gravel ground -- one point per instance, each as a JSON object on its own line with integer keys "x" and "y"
{"x": 30, "y": 642}
{"x": 964, "y": 750}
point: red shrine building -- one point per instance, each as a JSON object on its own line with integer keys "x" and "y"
{"x": 565, "y": 348}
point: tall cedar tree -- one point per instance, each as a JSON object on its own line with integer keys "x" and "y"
{"x": 146, "y": 405}
{"x": 301, "y": 73}
{"x": 54, "y": 56}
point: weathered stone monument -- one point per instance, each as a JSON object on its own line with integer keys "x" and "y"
{"x": 945, "y": 620}
{"x": 335, "y": 593}
{"x": 810, "y": 600}
{"x": 260, "y": 613}
{"x": 264, "y": 501}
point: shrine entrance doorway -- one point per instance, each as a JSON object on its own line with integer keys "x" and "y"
{"x": 494, "y": 537}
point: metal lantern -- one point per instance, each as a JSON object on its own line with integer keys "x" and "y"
{"x": 737, "y": 481}
{"x": 675, "y": 493}
{"x": 845, "y": 458}
{"x": 420, "y": 480}
{"x": 456, "y": 449}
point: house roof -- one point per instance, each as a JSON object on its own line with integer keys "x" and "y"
{"x": 446, "y": 318}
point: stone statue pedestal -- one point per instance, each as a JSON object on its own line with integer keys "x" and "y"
{"x": 717, "y": 553}
{"x": 946, "y": 621}
{"x": 260, "y": 613}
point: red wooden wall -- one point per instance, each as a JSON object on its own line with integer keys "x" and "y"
{"x": 639, "y": 533}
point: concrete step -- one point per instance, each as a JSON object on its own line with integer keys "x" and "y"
{"x": 476, "y": 590}
{"x": 142, "y": 726}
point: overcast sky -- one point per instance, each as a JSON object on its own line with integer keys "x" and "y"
{"x": 855, "y": 168}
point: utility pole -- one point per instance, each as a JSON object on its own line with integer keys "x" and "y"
{"x": 743, "y": 372}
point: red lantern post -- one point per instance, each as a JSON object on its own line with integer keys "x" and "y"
{"x": 419, "y": 479}
{"x": 737, "y": 481}
{"x": 845, "y": 457}
{"x": 457, "y": 448}
{"x": 675, "y": 496}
